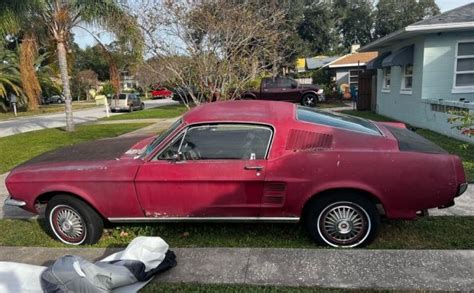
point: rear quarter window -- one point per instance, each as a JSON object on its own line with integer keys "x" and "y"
{"x": 341, "y": 121}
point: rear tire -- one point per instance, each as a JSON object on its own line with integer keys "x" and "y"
{"x": 342, "y": 219}
{"x": 72, "y": 221}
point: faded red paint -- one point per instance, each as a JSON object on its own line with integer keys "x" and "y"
{"x": 404, "y": 182}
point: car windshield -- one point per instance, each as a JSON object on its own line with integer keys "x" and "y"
{"x": 161, "y": 137}
{"x": 337, "y": 120}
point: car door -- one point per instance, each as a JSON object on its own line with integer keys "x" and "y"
{"x": 289, "y": 90}
{"x": 207, "y": 171}
{"x": 269, "y": 89}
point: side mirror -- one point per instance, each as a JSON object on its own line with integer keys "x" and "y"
{"x": 177, "y": 157}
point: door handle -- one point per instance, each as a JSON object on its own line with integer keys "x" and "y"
{"x": 256, "y": 168}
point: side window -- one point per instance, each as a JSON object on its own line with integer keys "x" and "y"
{"x": 222, "y": 142}
{"x": 269, "y": 83}
{"x": 284, "y": 83}
{"x": 172, "y": 150}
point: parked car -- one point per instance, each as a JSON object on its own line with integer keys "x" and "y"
{"x": 244, "y": 161}
{"x": 56, "y": 99}
{"x": 161, "y": 93}
{"x": 286, "y": 89}
{"x": 126, "y": 102}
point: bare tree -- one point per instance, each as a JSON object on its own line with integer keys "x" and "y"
{"x": 210, "y": 49}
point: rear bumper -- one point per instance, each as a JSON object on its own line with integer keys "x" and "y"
{"x": 462, "y": 188}
{"x": 14, "y": 202}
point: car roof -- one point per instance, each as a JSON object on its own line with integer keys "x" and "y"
{"x": 267, "y": 112}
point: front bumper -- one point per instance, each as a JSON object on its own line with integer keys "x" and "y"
{"x": 14, "y": 202}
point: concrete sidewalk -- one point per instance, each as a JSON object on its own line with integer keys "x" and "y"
{"x": 328, "y": 268}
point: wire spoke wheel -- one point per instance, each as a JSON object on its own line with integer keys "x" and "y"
{"x": 68, "y": 224}
{"x": 344, "y": 224}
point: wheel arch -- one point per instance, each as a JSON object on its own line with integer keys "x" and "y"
{"x": 44, "y": 198}
{"x": 248, "y": 96}
{"x": 349, "y": 190}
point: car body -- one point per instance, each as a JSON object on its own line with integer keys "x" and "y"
{"x": 55, "y": 99}
{"x": 246, "y": 161}
{"x": 126, "y": 102}
{"x": 161, "y": 93}
{"x": 286, "y": 89}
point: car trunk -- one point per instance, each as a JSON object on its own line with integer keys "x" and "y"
{"x": 409, "y": 141}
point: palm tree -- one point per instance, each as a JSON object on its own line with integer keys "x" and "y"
{"x": 59, "y": 17}
{"x": 9, "y": 74}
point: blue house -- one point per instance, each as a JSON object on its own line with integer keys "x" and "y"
{"x": 426, "y": 70}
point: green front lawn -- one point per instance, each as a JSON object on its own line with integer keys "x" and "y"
{"x": 425, "y": 233}
{"x": 48, "y": 109}
{"x": 460, "y": 148}
{"x": 154, "y": 113}
{"x": 18, "y": 148}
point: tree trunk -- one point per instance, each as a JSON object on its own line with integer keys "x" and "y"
{"x": 66, "y": 90}
{"x": 29, "y": 80}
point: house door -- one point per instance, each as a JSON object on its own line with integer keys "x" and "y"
{"x": 364, "y": 100}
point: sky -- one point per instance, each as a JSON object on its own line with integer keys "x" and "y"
{"x": 84, "y": 39}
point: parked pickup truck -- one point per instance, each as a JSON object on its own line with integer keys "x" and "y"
{"x": 285, "y": 89}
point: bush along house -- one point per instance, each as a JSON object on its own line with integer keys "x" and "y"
{"x": 425, "y": 71}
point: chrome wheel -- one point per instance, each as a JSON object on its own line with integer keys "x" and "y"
{"x": 344, "y": 224}
{"x": 67, "y": 224}
{"x": 309, "y": 100}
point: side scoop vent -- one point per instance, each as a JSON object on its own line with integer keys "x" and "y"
{"x": 299, "y": 140}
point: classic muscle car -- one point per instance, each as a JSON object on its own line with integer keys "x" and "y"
{"x": 244, "y": 161}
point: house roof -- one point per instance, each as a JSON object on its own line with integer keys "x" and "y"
{"x": 319, "y": 61}
{"x": 354, "y": 59}
{"x": 457, "y": 19}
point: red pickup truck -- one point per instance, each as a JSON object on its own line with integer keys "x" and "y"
{"x": 285, "y": 89}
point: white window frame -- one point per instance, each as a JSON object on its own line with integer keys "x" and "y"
{"x": 404, "y": 90}
{"x": 385, "y": 88}
{"x": 461, "y": 89}
{"x": 358, "y": 72}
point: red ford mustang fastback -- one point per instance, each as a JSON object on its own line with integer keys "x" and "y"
{"x": 244, "y": 161}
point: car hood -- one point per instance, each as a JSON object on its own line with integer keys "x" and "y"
{"x": 98, "y": 150}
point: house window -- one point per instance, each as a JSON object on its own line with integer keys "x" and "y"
{"x": 407, "y": 78}
{"x": 354, "y": 77}
{"x": 386, "y": 78}
{"x": 464, "y": 67}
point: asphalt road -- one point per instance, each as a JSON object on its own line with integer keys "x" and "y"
{"x": 26, "y": 124}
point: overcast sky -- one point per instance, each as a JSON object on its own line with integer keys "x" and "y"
{"x": 84, "y": 39}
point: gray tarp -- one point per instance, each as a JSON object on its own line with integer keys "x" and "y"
{"x": 125, "y": 271}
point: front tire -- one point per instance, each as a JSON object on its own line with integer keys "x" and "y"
{"x": 72, "y": 221}
{"x": 309, "y": 100}
{"x": 342, "y": 220}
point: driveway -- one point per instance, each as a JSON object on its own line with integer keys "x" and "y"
{"x": 26, "y": 124}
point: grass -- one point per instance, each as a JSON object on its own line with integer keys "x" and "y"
{"x": 460, "y": 148}
{"x": 198, "y": 288}
{"x": 18, "y": 148}
{"x": 47, "y": 109}
{"x": 332, "y": 104}
{"x": 154, "y": 113}
{"x": 425, "y": 233}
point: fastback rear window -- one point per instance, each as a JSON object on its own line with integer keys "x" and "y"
{"x": 336, "y": 120}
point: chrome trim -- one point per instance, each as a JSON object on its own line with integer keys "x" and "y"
{"x": 14, "y": 202}
{"x": 205, "y": 219}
